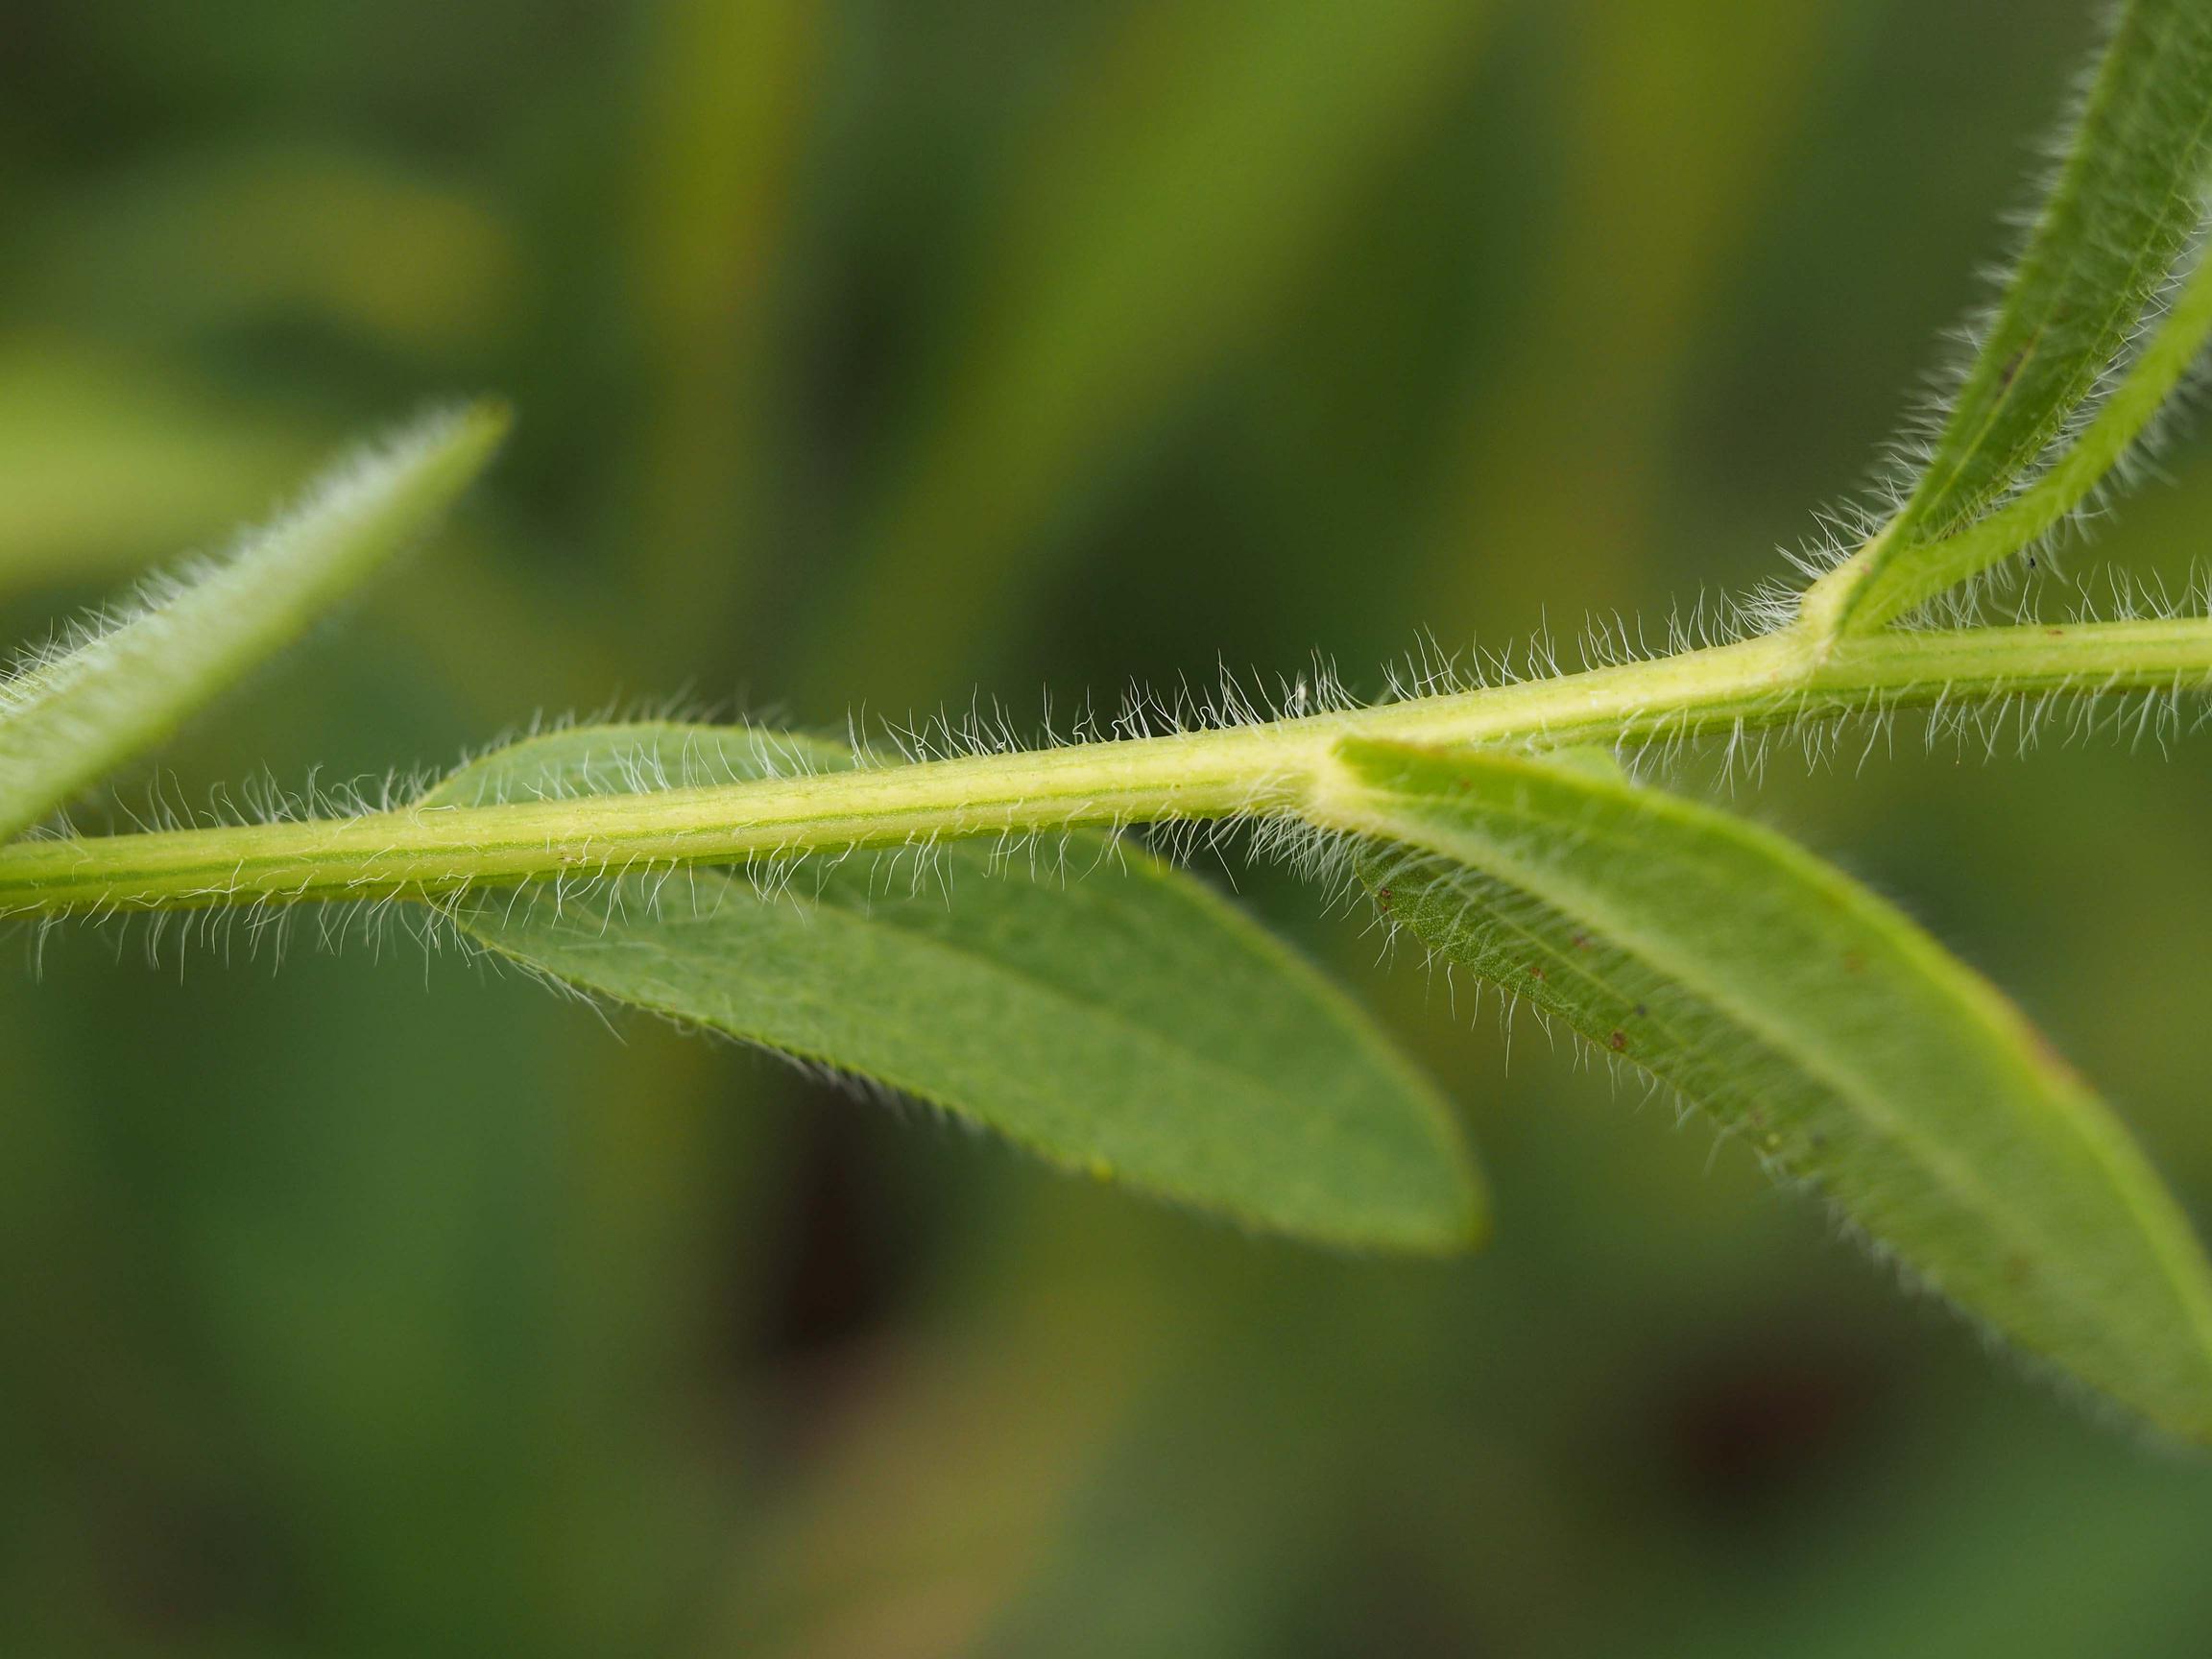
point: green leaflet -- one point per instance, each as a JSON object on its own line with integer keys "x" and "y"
{"x": 2112, "y": 233}
{"x": 1813, "y": 1017}
{"x": 68, "y": 719}
{"x": 1102, "y": 1010}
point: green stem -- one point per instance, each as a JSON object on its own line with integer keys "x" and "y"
{"x": 1279, "y": 766}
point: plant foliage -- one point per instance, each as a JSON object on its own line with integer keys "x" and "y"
{"x": 971, "y": 928}
{"x": 1083, "y": 998}
{"x": 1812, "y": 1017}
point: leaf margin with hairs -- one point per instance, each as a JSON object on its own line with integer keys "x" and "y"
{"x": 2112, "y": 232}
{"x": 2100, "y": 1274}
{"x": 69, "y": 718}
{"x": 1399, "y": 1174}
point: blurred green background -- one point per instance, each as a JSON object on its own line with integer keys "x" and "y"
{"x": 869, "y": 353}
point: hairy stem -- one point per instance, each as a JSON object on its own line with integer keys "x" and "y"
{"x": 1279, "y": 766}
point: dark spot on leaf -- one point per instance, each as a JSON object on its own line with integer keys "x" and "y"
{"x": 1581, "y": 940}
{"x": 1641, "y": 1010}
{"x": 1534, "y": 971}
{"x": 1854, "y": 962}
{"x": 1382, "y": 898}
{"x": 2012, "y": 367}
{"x": 1618, "y": 1040}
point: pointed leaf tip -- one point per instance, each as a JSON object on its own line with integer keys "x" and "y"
{"x": 1814, "y": 1019}
{"x": 69, "y": 717}
{"x": 1106, "y": 1011}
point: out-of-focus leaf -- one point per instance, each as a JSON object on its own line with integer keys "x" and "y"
{"x": 106, "y": 454}
{"x": 2116, "y": 224}
{"x": 1815, "y": 1020}
{"x": 1102, "y": 1009}
{"x": 1685, "y": 120}
{"x": 1159, "y": 226}
{"x": 68, "y": 717}
{"x": 732, "y": 85}
{"x": 948, "y": 1490}
{"x": 410, "y": 262}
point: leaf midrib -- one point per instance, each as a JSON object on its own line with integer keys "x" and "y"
{"x": 1819, "y": 1064}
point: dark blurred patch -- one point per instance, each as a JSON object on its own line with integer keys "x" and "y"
{"x": 176, "y": 1564}
{"x": 843, "y": 1250}
{"x": 1392, "y": 1607}
{"x": 1755, "y": 1424}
